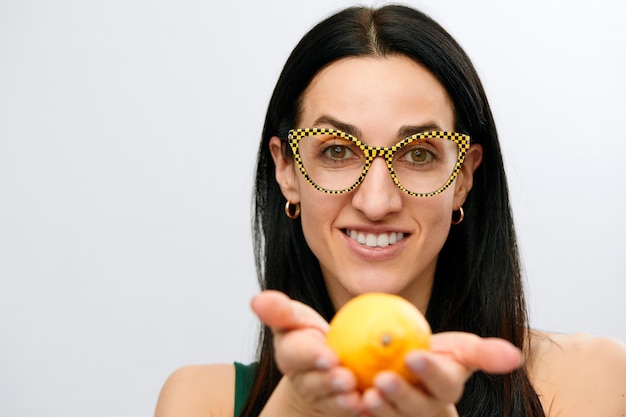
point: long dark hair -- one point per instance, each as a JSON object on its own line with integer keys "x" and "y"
{"x": 478, "y": 284}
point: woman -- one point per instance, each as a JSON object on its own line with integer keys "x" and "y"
{"x": 427, "y": 218}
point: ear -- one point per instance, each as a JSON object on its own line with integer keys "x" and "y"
{"x": 465, "y": 178}
{"x": 285, "y": 170}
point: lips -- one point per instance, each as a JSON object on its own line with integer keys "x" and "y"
{"x": 375, "y": 240}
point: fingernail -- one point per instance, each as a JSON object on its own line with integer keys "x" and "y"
{"x": 387, "y": 383}
{"x": 339, "y": 384}
{"x": 416, "y": 363}
{"x": 322, "y": 363}
{"x": 372, "y": 400}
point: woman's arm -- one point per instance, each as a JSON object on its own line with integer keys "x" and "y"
{"x": 580, "y": 375}
{"x": 202, "y": 390}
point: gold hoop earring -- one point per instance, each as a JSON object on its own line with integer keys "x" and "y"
{"x": 292, "y": 213}
{"x": 461, "y": 216}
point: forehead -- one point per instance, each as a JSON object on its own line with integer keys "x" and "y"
{"x": 377, "y": 94}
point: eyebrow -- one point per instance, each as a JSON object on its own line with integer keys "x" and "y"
{"x": 344, "y": 127}
{"x": 410, "y": 130}
{"x": 404, "y": 131}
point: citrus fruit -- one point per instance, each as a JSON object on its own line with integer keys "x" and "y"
{"x": 373, "y": 332}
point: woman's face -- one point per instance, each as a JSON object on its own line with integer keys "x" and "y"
{"x": 381, "y": 99}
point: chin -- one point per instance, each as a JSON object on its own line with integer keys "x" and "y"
{"x": 376, "y": 282}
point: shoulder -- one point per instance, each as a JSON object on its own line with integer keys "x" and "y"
{"x": 198, "y": 390}
{"x": 578, "y": 374}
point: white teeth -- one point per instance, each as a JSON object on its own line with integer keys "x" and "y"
{"x": 372, "y": 240}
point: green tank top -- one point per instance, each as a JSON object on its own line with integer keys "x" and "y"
{"x": 244, "y": 376}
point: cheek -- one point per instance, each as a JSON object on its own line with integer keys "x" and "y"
{"x": 318, "y": 210}
{"x": 318, "y": 214}
{"x": 434, "y": 215}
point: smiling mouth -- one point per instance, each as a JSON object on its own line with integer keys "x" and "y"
{"x": 375, "y": 240}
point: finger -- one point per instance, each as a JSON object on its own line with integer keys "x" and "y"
{"x": 335, "y": 404}
{"x": 441, "y": 376}
{"x": 376, "y": 404}
{"x": 302, "y": 350}
{"x": 491, "y": 355}
{"x": 281, "y": 313}
{"x": 299, "y": 330}
{"x": 333, "y": 391}
{"x": 321, "y": 384}
{"x": 393, "y": 395}
{"x": 379, "y": 406}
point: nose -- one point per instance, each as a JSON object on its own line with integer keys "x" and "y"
{"x": 377, "y": 196}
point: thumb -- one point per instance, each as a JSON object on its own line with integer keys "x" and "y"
{"x": 492, "y": 355}
{"x": 282, "y": 314}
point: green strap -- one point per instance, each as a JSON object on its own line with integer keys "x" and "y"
{"x": 244, "y": 376}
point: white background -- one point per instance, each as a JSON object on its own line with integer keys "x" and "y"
{"x": 128, "y": 132}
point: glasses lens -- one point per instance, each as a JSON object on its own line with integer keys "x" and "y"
{"x": 332, "y": 162}
{"x": 424, "y": 166}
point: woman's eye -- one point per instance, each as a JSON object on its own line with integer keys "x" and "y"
{"x": 338, "y": 152}
{"x": 419, "y": 155}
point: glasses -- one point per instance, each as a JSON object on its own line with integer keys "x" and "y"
{"x": 421, "y": 165}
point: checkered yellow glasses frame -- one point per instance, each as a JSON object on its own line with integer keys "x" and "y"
{"x": 371, "y": 152}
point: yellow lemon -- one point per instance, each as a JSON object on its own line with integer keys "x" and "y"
{"x": 373, "y": 332}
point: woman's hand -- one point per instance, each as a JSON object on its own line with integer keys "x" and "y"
{"x": 314, "y": 383}
{"x": 443, "y": 371}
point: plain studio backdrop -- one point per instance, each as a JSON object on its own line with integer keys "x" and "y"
{"x": 128, "y": 134}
